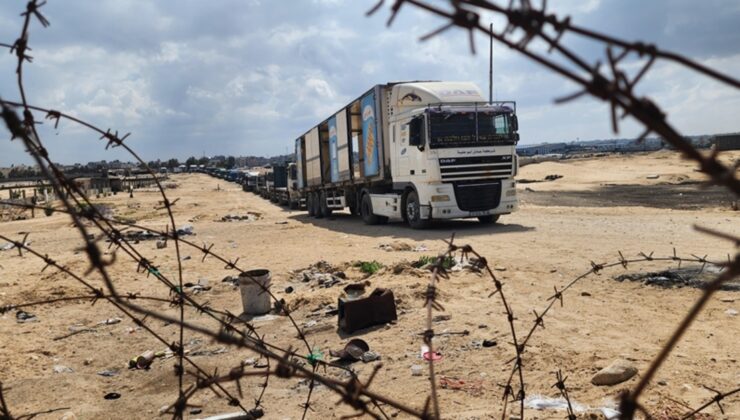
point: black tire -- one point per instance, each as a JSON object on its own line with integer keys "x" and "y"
{"x": 317, "y": 206}
{"x": 325, "y": 210}
{"x": 309, "y": 204}
{"x": 413, "y": 212}
{"x": 366, "y": 211}
{"x": 293, "y": 205}
{"x": 488, "y": 220}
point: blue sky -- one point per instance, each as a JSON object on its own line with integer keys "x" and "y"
{"x": 245, "y": 77}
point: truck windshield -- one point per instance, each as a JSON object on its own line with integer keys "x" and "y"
{"x": 469, "y": 129}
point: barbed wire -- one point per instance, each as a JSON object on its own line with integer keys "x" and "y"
{"x": 616, "y": 89}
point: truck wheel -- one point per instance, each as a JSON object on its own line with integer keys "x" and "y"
{"x": 413, "y": 212}
{"x": 317, "y": 206}
{"x": 488, "y": 220}
{"x": 366, "y": 211}
{"x": 309, "y": 204}
{"x": 293, "y": 205}
{"x": 325, "y": 210}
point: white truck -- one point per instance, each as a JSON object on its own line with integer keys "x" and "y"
{"x": 416, "y": 151}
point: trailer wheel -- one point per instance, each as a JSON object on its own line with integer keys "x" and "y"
{"x": 413, "y": 212}
{"x": 488, "y": 220}
{"x": 309, "y": 204}
{"x": 366, "y": 211}
{"x": 324, "y": 204}
{"x": 317, "y": 206}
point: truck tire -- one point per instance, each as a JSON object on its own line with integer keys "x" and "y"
{"x": 325, "y": 210}
{"x": 309, "y": 204}
{"x": 366, "y": 211}
{"x": 317, "y": 206}
{"x": 293, "y": 205}
{"x": 413, "y": 212}
{"x": 488, "y": 220}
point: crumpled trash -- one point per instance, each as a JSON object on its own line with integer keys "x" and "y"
{"x": 185, "y": 230}
{"x": 108, "y": 373}
{"x": 352, "y": 351}
{"x": 23, "y": 316}
{"x": 540, "y": 402}
{"x": 62, "y": 369}
{"x": 7, "y": 246}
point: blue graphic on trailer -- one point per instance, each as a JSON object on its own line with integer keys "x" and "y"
{"x": 369, "y": 135}
{"x": 299, "y": 162}
{"x": 333, "y": 155}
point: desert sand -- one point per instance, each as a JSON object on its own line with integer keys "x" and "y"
{"x": 561, "y": 227}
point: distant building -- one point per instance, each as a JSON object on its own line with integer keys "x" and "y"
{"x": 541, "y": 149}
{"x": 726, "y": 141}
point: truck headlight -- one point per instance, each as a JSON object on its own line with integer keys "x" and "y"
{"x": 438, "y": 198}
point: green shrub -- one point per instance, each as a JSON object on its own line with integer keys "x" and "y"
{"x": 447, "y": 263}
{"x": 369, "y": 267}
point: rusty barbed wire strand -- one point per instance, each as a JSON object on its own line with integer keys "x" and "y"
{"x": 560, "y": 386}
{"x": 718, "y": 397}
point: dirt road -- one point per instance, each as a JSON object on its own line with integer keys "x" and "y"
{"x": 540, "y": 247}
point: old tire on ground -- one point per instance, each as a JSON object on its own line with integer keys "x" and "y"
{"x": 325, "y": 210}
{"x": 413, "y": 212}
{"x": 366, "y": 211}
{"x": 309, "y": 204}
{"x": 488, "y": 220}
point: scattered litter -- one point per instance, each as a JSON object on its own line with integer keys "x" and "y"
{"x": 402, "y": 246}
{"x": 416, "y": 370}
{"x": 731, "y": 312}
{"x": 206, "y": 352}
{"x": 186, "y": 258}
{"x": 284, "y": 222}
{"x": 727, "y": 300}
{"x": 249, "y": 217}
{"x": 108, "y": 373}
{"x": 695, "y": 276}
{"x": 440, "y": 318}
{"x": 352, "y": 351}
{"x": 652, "y": 176}
{"x": 427, "y": 355}
{"x": 553, "y": 177}
{"x": 489, "y": 343}
{"x": 112, "y": 396}
{"x": 370, "y": 356}
{"x": 143, "y": 361}
{"x": 377, "y": 308}
{"x": 289, "y": 290}
{"x": 540, "y": 402}
{"x": 110, "y": 321}
{"x": 474, "y": 387}
{"x": 7, "y": 246}
{"x": 161, "y": 244}
{"x": 62, "y": 369}
{"x": 610, "y": 413}
{"x": 23, "y": 316}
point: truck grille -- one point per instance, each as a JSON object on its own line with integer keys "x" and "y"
{"x": 477, "y": 196}
{"x": 479, "y": 167}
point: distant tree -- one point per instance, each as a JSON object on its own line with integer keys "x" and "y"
{"x": 203, "y": 161}
{"x": 192, "y": 161}
{"x": 173, "y": 163}
{"x": 2, "y": 175}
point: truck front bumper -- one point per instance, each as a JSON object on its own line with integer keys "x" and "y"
{"x": 443, "y": 204}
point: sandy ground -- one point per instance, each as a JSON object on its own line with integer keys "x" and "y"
{"x": 543, "y": 245}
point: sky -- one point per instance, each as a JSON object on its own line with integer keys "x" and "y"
{"x": 246, "y": 77}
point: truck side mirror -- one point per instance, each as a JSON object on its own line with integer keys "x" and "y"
{"x": 416, "y": 131}
{"x": 514, "y": 123}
